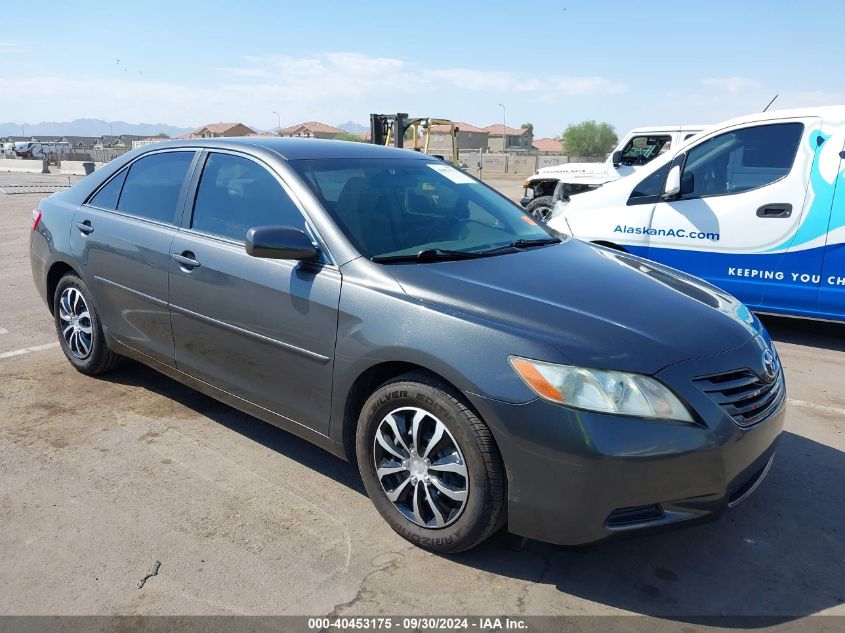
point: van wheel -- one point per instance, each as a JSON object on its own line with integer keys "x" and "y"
{"x": 541, "y": 208}
{"x": 430, "y": 465}
{"x": 79, "y": 329}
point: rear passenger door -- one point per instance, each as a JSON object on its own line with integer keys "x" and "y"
{"x": 261, "y": 329}
{"x": 121, "y": 237}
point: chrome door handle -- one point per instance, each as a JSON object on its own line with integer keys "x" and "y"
{"x": 186, "y": 259}
{"x": 85, "y": 227}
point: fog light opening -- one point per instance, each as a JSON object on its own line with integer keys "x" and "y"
{"x": 624, "y": 517}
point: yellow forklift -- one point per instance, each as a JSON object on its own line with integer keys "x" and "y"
{"x": 391, "y": 129}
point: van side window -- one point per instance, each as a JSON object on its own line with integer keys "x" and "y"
{"x": 648, "y": 190}
{"x": 153, "y": 185}
{"x": 106, "y": 197}
{"x": 236, "y": 194}
{"x": 741, "y": 160}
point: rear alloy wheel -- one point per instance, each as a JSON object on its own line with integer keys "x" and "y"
{"x": 541, "y": 208}
{"x": 78, "y": 326}
{"x": 430, "y": 465}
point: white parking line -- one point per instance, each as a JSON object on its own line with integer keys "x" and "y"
{"x": 27, "y": 350}
{"x": 817, "y": 407}
{"x": 3, "y": 331}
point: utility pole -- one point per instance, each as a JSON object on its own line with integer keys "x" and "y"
{"x": 279, "y": 119}
{"x": 504, "y": 126}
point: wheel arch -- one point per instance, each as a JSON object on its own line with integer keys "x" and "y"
{"x": 368, "y": 381}
{"x": 58, "y": 269}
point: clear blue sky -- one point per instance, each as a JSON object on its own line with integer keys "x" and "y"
{"x": 552, "y": 63}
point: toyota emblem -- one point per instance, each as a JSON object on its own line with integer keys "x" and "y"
{"x": 769, "y": 366}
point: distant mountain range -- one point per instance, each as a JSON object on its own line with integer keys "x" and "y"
{"x": 354, "y": 128}
{"x": 90, "y": 127}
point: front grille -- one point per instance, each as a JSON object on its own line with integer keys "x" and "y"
{"x": 743, "y": 395}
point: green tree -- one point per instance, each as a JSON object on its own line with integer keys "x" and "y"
{"x": 349, "y": 136}
{"x": 589, "y": 138}
{"x": 529, "y": 127}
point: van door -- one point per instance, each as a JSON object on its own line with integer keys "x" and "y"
{"x": 741, "y": 203}
{"x": 828, "y": 181}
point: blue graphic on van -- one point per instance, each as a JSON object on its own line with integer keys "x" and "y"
{"x": 817, "y": 221}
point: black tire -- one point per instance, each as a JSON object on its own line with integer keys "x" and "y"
{"x": 484, "y": 509}
{"x": 541, "y": 208}
{"x": 99, "y": 358}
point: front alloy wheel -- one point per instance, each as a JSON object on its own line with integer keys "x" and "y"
{"x": 420, "y": 467}
{"x": 430, "y": 465}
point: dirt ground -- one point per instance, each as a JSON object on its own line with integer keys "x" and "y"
{"x": 99, "y": 478}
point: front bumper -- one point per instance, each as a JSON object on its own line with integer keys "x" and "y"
{"x": 575, "y": 477}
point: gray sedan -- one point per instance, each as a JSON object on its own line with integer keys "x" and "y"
{"x": 481, "y": 370}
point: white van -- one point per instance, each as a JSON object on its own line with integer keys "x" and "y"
{"x": 755, "y": 205}
{"x": 636, "y": 149}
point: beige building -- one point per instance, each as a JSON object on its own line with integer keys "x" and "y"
{"x": 469, "y": 137}
{"x": 213, "y": 130}
{"x": 515, "y": 139}
{"x": 311, "y": 129}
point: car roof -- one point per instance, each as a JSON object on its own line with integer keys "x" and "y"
{"x": 667, "y": 128}
{"x": 295, "y": 148}
{"x": 828, "y": 113}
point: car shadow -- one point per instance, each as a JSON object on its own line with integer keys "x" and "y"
{"x": 818, "y": 334}
{"x": 780, "y": 554}
{"x": 276, "y": 439}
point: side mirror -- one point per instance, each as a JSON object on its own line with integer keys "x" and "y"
{"x": 673, "y": 182}
{"x": 617, "y": 158}
{"x": 279, "y": 242}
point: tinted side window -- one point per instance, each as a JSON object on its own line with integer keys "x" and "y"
{"x": 236, "y": 194}
{"x": 106, "y": 198}
{"x": 741, "y": 160}
{"x": 650, "y": 187}
{"x": 153, "y": 184}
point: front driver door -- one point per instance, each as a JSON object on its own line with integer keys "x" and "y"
{"x": 742, "y": 199}
{"x": 261, "y": 329}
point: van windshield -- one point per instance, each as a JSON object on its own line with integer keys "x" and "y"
{"x": 391, "y": 208}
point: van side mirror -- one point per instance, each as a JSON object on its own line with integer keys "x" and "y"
{"x": 673, "y": 183}
{"x": 617, "y": 158}
{"x": 279, "y": 242}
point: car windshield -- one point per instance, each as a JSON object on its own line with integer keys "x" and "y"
{"x": 395, "y": 208}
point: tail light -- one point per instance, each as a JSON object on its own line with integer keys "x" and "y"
{"x": 36, "y": 219}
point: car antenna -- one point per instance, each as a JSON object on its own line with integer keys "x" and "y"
{"x": 771, "y": 102}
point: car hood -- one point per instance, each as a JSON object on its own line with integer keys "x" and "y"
{"x": 600, "y": 308}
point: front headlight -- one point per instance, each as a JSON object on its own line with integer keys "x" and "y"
{"x": 600, "y": 390}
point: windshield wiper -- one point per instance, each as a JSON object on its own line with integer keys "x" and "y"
{"x": 428, "y": 255}
{"x": 520, "y": 244}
